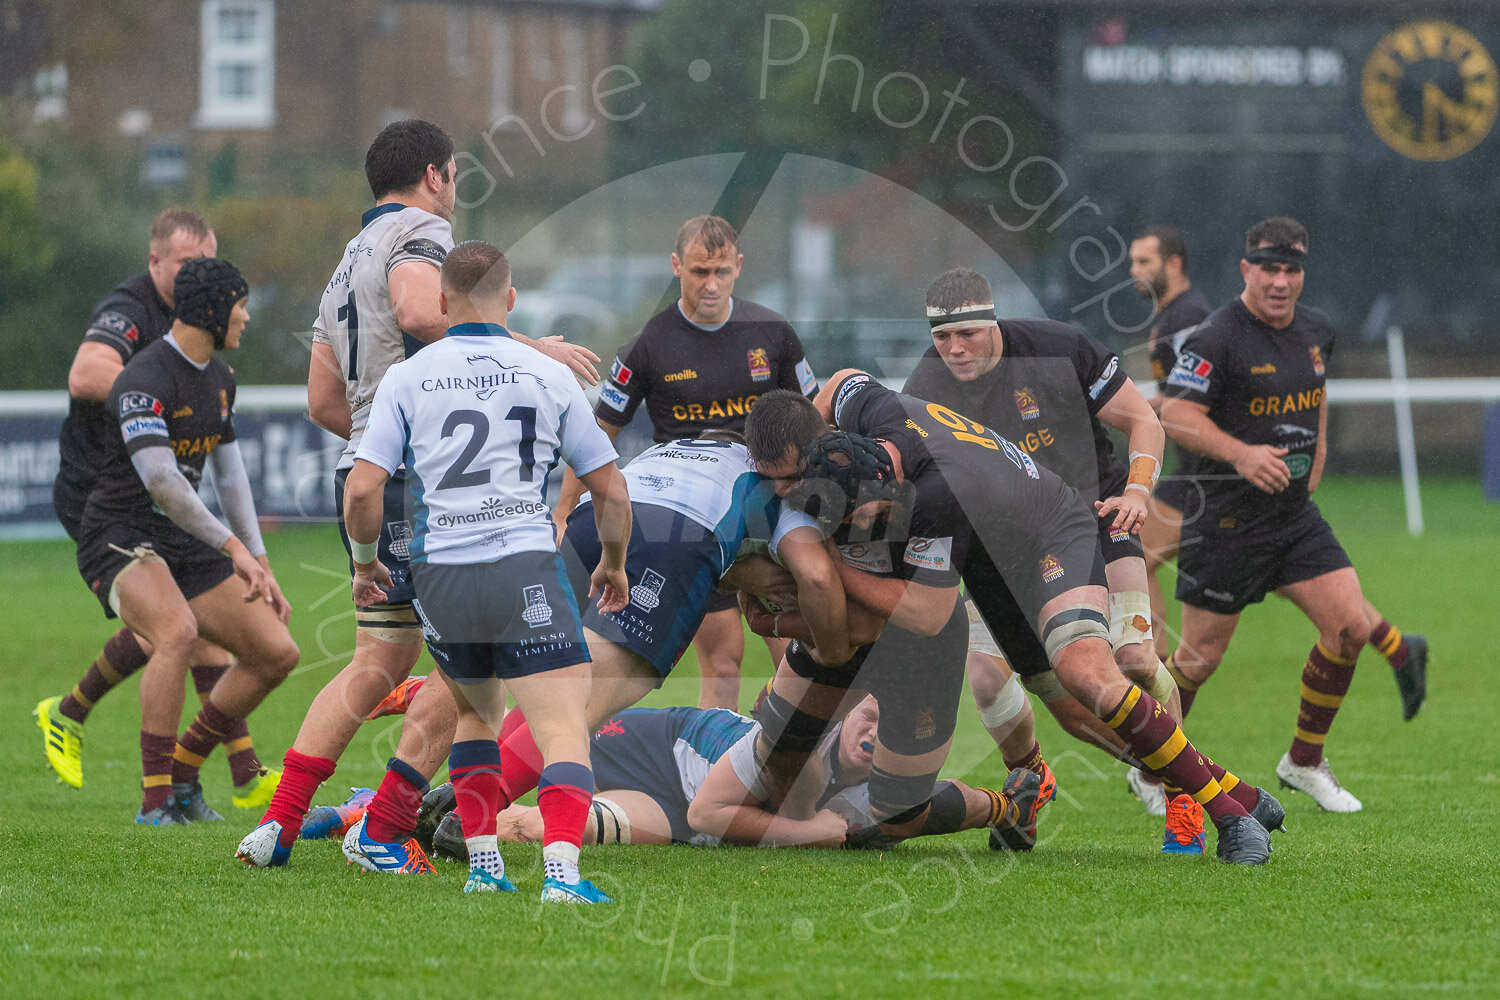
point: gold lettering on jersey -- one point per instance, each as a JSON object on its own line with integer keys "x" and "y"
{"x": 1274, "y": 406}
{"x": 685, "y": 375}
{"x": 1266, "y": 369}
{"x": 1033, "y": 440}
{"x": 189, "y": 447}
{"x": 186, "y": 411}
{"x": 719, "y": 408}
{"x": 913, "y": 425}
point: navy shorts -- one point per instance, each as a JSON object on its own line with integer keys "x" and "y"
{"x": 1226, "y": 569}
{"x": 395, "y": 535}
{"x": 672, "y": 564}
{"x": 509, "y": 618}
{"x": 106, "y": 545}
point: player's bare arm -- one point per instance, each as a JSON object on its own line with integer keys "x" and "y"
{"x": 414, "y": 287}
{"x": 577, "y": 357}
{"x": 363, "y": 495}
{"x": 327, "y": 402}
{"x": 612, "y": 516}
{"x": 726, "y": 809}
{"x": 1129, "y": 413}
{"x": 1189, "y": 425}
{"x": 820, "y": 595}
{"x": 93, "y": 371}
{"x": 1320, "y": 450}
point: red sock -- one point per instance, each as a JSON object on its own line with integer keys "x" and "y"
{"x": 156, "y": 767}
{"x": 392, "y": 814}
{"x": 1325, "y": 681}
{"x": 474, "y": 767}
{"x": 300, "y": 777}
{"x": 520, "y": 763}
{"x": 564, "y": 794}
{"x": 514, "y": 719}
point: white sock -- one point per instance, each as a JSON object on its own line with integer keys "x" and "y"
{"x": 560, "y": 861}
{"x": 484, "y": 852}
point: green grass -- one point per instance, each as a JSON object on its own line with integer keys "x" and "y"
{"x": 1398, "y": 900}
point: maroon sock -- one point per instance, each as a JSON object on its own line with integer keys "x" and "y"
{"x": 156, "y": 767}
{"x": 392, "y": 814}
{"x": 122, "y": 656}
{"x": 1188, "y": 697}
{"x": 1242, "y": 792}
{"x": 300, "y": 777}
{"x": 1154, "y": 738}
{"x": 1325, "y": 681}
{"x": 1392, "y": 644}
{"x": 206, "y": 732}
{"x": 244, "y": 763}
{"x": 1031, "y": 759}
{"x": 520, "y": 764}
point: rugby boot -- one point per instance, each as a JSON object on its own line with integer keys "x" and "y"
{"x": 256, "y": 793}
{"x": 1319, "y": 782}
{"x": 1024, "y": 788}
{"x": 555, "y": 890}
{"x": 326, "y": 822}
{"x": 1411, "y": 679}
{"x": 262, "y": 848}
{"x": 1243, "y": 841}
{"x": 62, "y": 739}
{"x": 377, "y": 856}
{"x": 1184, "y": 833}
{"x": 1151, "y": 794}
{"x": 189, "y": 798}
{"x": 398, "y": 700}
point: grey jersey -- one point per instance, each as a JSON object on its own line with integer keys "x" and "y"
{"x": 356, "y": 317}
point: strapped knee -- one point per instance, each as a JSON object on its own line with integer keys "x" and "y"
{"x": 611, "y": 824}
{"x": 1007, "y": 706}
{"x": 899, "y": 798}
{"x": 1129, "y": 619}
{"x": 393, "y": 623}
{"x": 789, "y": 729}
{"x": 1082, "y": 621}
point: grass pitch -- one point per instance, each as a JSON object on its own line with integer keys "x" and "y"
{"x": 1400, "y": 899}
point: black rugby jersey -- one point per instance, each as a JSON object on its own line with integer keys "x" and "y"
{"x": 694, "y": 380}
{"x": 1045, "y": 395}
{"x": 1262, "y": 386}
{"x": 972, "y": 486}
{"x": 162, "y": 399}
{"x": 128, "y": 319}
{"x": 1187, "y": 310}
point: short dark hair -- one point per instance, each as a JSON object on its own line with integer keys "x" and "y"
{"x": 712, "y": 230}
{"x": 401, "y": 153}
{"x": 476, "y": 269}
{"x": 1279, "y": 231}
{"x": 958, "y": 286}
{"x": 1169, "y": 242}
{"x": 169, "y": 220}
{"x": 782, "y": 419}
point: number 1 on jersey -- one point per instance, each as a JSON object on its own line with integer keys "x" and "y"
{"x": 526, "y": 417}
{"x": 351, "y": 313}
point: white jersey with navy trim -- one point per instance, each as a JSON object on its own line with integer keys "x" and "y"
{"x": 356, "y": 317}
{"x": 715, "y": 484}
{"x": 479, "y": 421}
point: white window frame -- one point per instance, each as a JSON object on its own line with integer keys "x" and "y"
{"x": 258, "y": 110}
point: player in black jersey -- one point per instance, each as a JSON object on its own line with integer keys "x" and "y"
{"x": 136, "y": 314}
{"x": 1055, "y": 392}
{"x": 699, "y": 365}
{"x": 1159, "y": 265}
{"x": 955, "y": 496}
{"x": 153, "y": 553}
{"x": 1179, "y": 496}
{"x": 1247, "y": 394}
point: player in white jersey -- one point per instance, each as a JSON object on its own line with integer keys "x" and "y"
{"x": 479, "y": 420}
{"x": 380, "y": 306}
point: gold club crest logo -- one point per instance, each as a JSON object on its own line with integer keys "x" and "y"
{"x": 1430, "y": 91}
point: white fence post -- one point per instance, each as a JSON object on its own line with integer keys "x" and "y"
{"x": 1406, "y": 441}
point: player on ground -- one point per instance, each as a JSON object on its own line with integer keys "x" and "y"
{"x": 479, "y": 420}
{"x": 153, "y": 554}
{"x": 1247, "y": 394}
{"x": 132, "y": 317}
{"x": 380, "y": 306}
{"x": 1159, "y": 265}
{"x": 695, "y": 502}
{"x": 1056, "y": 392}
{"x": 956, "y": 483}
{"x": 699, "y": 365}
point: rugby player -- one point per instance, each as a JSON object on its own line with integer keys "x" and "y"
{"x": 1247, "y": 394}
{"x": 1056, "y": 392}
{"x": 132, "y": 317}
{"x": 699, "y": 365}
{"x": 155, "y": 556}
{"x": 380, "y": 306}
{"x": 480, "y": 419}
{"x": 944, "y": 482}
{"x": 1159, "y": 265}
